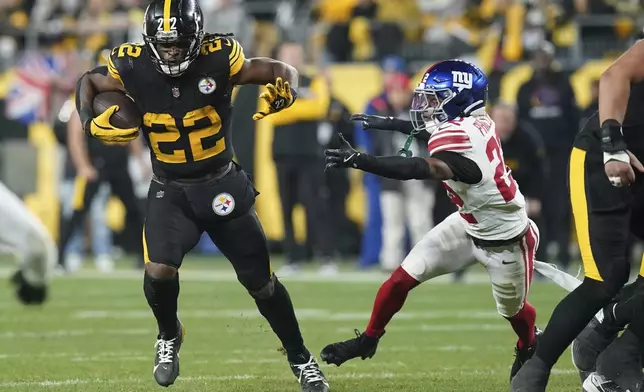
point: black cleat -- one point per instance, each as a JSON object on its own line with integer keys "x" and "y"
{"x": 309, "y": 375}
{"x": 597, "y": 383}
{"x": 621, "y": 362}
{"x": 361, "y": 346}
{"x": 27, "y": 293}
{"x": 166, "y": 360}
{"x": 597, "y": 335}
{"x": 522, "y": 356}
{"x": 533, "y": 377}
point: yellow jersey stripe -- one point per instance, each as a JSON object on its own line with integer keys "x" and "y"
{"x": 166, "y": 15}
{"x": 234, "y": 51}
{"x": 237, "y": 58}
{"x": 111, "y": 68}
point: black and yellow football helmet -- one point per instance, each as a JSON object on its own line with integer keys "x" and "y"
{"x": 173, "y": 31}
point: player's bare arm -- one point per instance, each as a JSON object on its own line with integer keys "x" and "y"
{"x": 91, "y": 84}
{"x": 445, "y": 166}
{"x": 281, "y": 82}
{"x": 614, "y": 91}
{"x": 264, "y": 70}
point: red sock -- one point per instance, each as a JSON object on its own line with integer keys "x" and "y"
{"x": 389, "y": 300}
{"x": 523, "y": 325}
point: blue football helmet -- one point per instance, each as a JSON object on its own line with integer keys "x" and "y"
{"x": 449, "y": 89}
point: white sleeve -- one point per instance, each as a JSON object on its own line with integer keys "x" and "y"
{"x": 23, "y": 234}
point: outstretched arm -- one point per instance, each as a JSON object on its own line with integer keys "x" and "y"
{"x": 264, "y": 70}
{"x": 389, "y": 123}
{"x": 442, "y": 166}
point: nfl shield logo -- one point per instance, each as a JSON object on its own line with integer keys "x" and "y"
{"x": 207, "y": 85}
{"x": 175, "y": 92}
{"x": 223, "y": 204}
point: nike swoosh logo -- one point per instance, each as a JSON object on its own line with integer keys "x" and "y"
{"x": 508, "y": 262}
{"x": 347, "y": 159}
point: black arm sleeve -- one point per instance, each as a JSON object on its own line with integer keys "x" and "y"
{"x": 395, "y": 167}
{"x": 407, "y": 128}
{"x": 464, "y": 169}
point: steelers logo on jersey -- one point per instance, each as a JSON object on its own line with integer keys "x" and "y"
{"x": 207, "y": 85}
{"x": 223, "y": 204}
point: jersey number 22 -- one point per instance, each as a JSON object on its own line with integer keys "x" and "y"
{"x": 207, "y": 115}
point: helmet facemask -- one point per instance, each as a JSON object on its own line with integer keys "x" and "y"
{"x": 427, "y": 108}
{"x": 171, "y": 54}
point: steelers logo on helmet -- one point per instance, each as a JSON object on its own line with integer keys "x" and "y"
{"x": 223, "y": 204}
{"x": 207, "y": 85}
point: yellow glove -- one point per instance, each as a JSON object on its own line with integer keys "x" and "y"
{"x": 101, "y": 129}
{"x": 278, "y": 97}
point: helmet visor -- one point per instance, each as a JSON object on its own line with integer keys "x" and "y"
{"x": 427, "y": 107}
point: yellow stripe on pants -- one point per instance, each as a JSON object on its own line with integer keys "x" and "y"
{"x": 580, "y": 212}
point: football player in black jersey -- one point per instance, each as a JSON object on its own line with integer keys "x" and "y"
{"x": 182, "y": 79}
{"x": 607, "y": 195}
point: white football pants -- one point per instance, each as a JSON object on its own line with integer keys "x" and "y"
{"x": 447, "y": 248}
{"x": 410, "y": 207}
{"x": 23, "y": 234}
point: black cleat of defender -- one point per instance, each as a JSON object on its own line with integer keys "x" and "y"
{"x": 309, "y": 375}
{"x": 597, "y": 383}
{"x": 522, "y": 356}
{"x": 166, "y": 360}
{"x": 621, "y": 362}
{"x": 597, "y": 335}
{"x": 533, "y": 377}
{"x": 361, "y": 346}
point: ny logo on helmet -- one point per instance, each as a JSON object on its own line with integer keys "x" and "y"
{"x": 462, "y": 80}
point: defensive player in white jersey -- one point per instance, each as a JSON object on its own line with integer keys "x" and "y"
{"x": 24, "y": 236}
{"x": 491, "y": 226}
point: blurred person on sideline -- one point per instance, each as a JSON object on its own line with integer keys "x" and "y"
{"x": 297, "y": 153}
{"x": 524, "y": 154}
{"x": 265, "y": 32}
{"x": 547, "y": 101}
{"x": 405, "y": 205}
{"x": 345, "y": 236}
{"x": 228, "y": 15}
{"x": 101, "y": 237}
{"x": 372, "y": 233}
{"x": 593, "y": 107}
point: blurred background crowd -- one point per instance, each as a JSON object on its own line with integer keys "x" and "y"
{"x": 543, "y": 59}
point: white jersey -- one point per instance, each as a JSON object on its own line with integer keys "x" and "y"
{"x": 493, "y": 209}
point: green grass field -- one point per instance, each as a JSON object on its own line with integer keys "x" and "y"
{"x": 97, "y": 334}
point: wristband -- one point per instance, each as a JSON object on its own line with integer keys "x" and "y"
{"x": 612, "y": 138}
